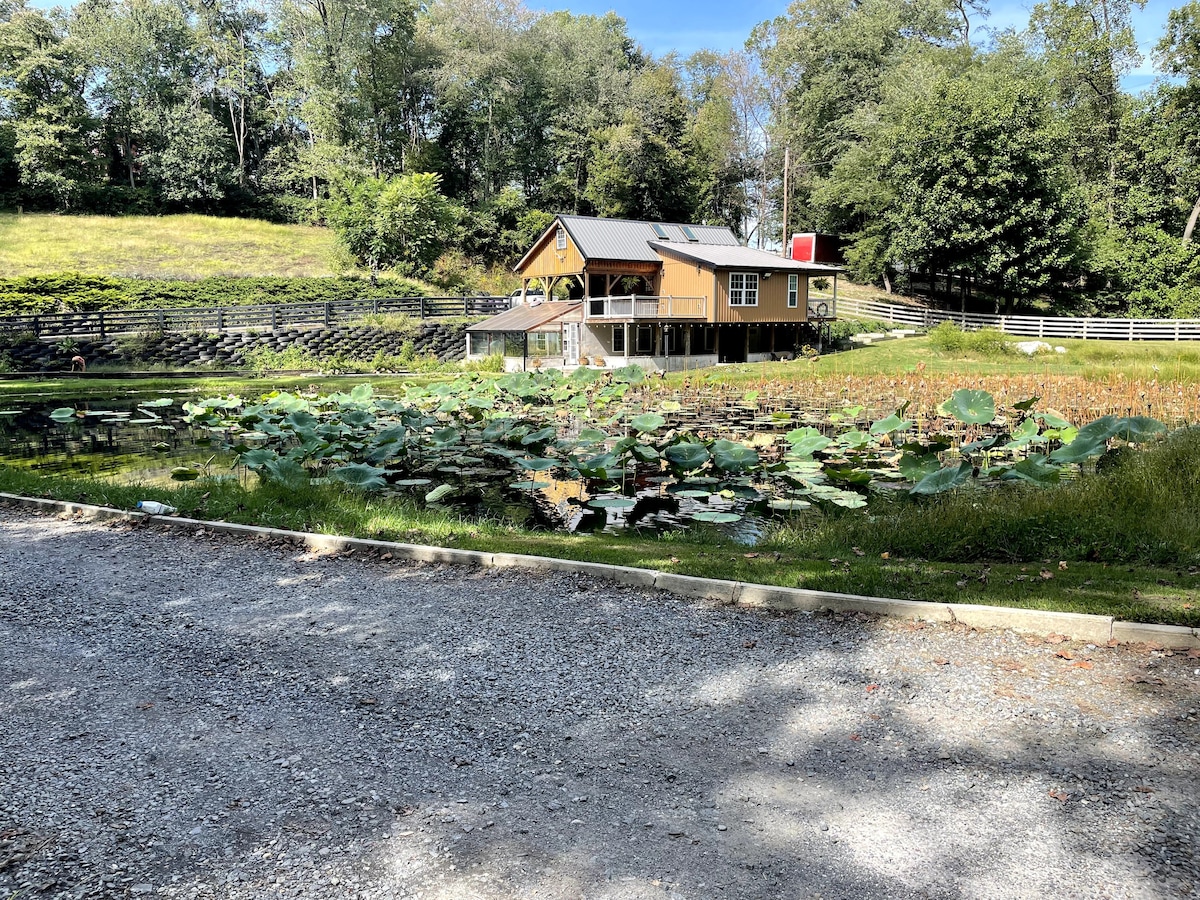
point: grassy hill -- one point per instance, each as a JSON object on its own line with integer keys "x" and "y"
{"x": 187, "y": 246}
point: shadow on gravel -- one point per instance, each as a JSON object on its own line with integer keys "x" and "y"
{"x": 241, "y": 723}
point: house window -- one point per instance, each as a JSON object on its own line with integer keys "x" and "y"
{"x": 793, "y": 291}
{"x": 618, "y": 341}
{"x": 743, "y": 289}
{"x": 545, "y": 343}
{"x": 645, "y": 340}
{"x": 560, "y": 238}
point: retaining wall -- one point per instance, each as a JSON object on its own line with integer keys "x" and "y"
{"x": 29, "y": 354}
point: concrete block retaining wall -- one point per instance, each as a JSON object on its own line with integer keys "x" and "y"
{"x": 28, "y": 354}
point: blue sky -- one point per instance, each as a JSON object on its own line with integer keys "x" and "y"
{"x": 689, "y": 25}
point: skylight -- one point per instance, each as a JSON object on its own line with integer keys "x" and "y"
{"x": 660, "y": 231}
{"x": 689, "y": 234}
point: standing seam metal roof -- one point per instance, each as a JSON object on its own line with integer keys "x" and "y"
{"x": 724, "y": 257}
{"x": 526, "y": 317}
{"x": 627, "y": 239}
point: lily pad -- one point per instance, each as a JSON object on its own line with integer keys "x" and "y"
{"x": 716, "y": 518}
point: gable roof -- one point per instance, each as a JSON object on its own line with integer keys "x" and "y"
{"x": 526, "y": 316}
{"x": 627, "y": 239}
{"x": 738, "y": 257}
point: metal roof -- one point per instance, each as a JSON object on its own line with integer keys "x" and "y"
{"x": 627, "y": 239}
{"x": 527, "y": 316}
{"x": 738, "y": 257}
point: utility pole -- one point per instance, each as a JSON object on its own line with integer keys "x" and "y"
{"x": 787, "y": 162}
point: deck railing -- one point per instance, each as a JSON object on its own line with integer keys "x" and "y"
{"x": 639, "y": 307}
{"x": 273, "y": 316}
{"x": 1030, "y": 326}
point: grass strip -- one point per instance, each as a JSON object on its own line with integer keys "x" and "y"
{"x": 1133, "y": 592}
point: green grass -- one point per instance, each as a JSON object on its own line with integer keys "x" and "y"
{"x": 1137, "y": 593}
{"x": 1135, "y": 360}
{"x": 183, "y": 246}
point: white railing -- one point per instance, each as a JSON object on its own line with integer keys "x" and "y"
{"x": 638, "y": 307}
{"x": 1029, "y": 326}
{"x": 822, "y": 307}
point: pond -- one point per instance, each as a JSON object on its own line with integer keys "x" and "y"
{"x": 586, "y": 452}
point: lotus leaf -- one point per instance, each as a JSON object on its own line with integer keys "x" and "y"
{"x": 1051, "y": 419}
{"x": 915, "y": 467}
{"x": 972, "y": 407}
{"x": 733, "y": 457}
{"x": 854, "y": 439}
{"x": 1139, "y": 429}
{"x": 647, "y": 422}
{"x": 643, "y": 453}
{"x": 890, "y": 424}
{"x": 537, "y": 464}
{"x": 943, "y": 480}
{"x": 1023, "y": 434}
{"x": 184, "y": 473}
{"x": 541, "y": 436}
{"x": 412, "y": 482}
{"x": 445, "y": 437}
{"x": 256, "y": 459}
{"x": 439, "y": 493}
{"x": 362, "y": 393}
{"x": 1026, "y": 405}
{"x": 62, "y": 414}
{"x": 1036, "y": 469}
{"x": 716, "y": 518}
{"x": 789, "y": 504}
{"x": 286, "y": 471}
{"x": 612, "y": 503}
{"x": 982, "y": 444}
{"x": 360, "y": 475}
{"x": 687, "y": 456}
{"x": 529, "y": 485}
{"x": 629, "y": 374}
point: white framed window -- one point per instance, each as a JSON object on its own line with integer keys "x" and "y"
{"x": 743, "y": 289}
{"x": 545, "y": 343}
{"x": 618, "y": 341}
{"x": 560, "y": 238}
{"x": 793, "y": 291}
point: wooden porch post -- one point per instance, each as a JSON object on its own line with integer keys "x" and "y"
{"x": 625, "y": 325}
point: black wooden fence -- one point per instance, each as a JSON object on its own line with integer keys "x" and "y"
{"x": 273, "y": 316}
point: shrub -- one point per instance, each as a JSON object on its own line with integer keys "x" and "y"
{"x": 42, "y": 294}
{"x": 264, "y": 359}
{"x": 949, "y": 338}
{"x": 492, "y": 363}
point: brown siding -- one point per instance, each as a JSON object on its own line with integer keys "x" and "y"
{"x": 547, "y": 260}
{"x": 687, "y": 279}
{"x": 772, "y": 301}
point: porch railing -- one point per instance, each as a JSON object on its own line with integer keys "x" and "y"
{"x": 639, "y": 307}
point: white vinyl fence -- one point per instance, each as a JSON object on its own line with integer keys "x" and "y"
{"x": 1028, "y": 326}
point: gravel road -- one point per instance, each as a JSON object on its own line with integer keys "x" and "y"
{"x": 188, "y": 715}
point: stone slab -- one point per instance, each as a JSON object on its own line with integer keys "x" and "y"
{"x": 620, "y": 574}
{"x": 1076, "y": 626}
{"x": 782, "y": 599}
{"x": 691, "y": 586}
{"x": 1173, "y": 637}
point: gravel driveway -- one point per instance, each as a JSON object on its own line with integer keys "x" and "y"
{"x": 183, "y": 715}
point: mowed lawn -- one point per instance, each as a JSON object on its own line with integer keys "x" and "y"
{"x": 185, "y": 246}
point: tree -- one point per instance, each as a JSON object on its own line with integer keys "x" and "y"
{"x": 191, "y": 167}
{"x": 402, "y": 222}
{"x": 980, "y": 189}
{"x": 41, "y": 97}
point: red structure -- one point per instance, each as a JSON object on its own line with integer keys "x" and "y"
{"x": 811, "y": 247}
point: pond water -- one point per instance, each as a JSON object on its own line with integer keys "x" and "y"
{"x": 110, "y": 438}
{"x": 133, "y": 441}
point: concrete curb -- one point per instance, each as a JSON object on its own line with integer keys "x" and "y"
{"x": 1076, "y": 626}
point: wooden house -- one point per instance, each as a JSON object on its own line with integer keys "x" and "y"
{"x": 663, "y": 296}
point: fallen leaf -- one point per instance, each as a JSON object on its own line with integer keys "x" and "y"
{"x": 1046, "y": 574}
{"x": 386, "y": 556}
{"x": 857, "y": 552}
{"x": 855, "y": 737}
{"x": 939, "y": 661}
{"x": 872, "y": 687}
{"x": 749, "y": 645}
{"x": 1065, "y": 654}
{"x": 1060, "y": 796}
{"x": 1082, "y": 664}
{"x": 1062, "y": 565}
{"x": 885, "y": 555}
{"x": 1144, "y": 789}
{"x": 750, "y": 555}
{"x": 1055, "y": 638}
{"x": 1194, "y": 653}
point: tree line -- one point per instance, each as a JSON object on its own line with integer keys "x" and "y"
{"x": 991, "y": 167}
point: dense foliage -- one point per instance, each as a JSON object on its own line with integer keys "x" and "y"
{"x": 39, "y": 294}
{"x": 998, "y": 168}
